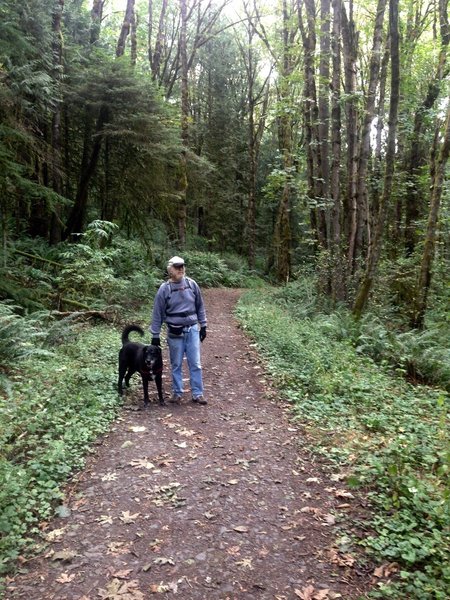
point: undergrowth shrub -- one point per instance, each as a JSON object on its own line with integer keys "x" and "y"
{"x": 47, "y": 424}
{"x": 394, "y": 436}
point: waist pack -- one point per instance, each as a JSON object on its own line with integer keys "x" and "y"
{"x": 175, "y": 329}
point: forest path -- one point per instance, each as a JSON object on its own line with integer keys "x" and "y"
{"x": 201, "y": 502}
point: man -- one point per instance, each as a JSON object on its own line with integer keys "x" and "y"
{"x": 179, "y": 304}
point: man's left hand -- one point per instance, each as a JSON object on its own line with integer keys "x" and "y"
{"x": 202, "y": 333}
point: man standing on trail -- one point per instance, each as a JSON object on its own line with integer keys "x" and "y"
{"x": 179, "y": 304}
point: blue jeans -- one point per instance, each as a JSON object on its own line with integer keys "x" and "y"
{"x": 188, "y": 343}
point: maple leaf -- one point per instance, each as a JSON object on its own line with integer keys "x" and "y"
{"x": 105, "y": 520}
{"x": 306, "y": 593}
{"x": 121, "y": 590}
{"x": 141, "y": 463}
{"x": 117, "y": 548}
{"x": 128, "y": 518}
{"x": 109, "y": 477}
{"x": 245, "y": 563}
{"x": 56, "y": 533}
{"x": 65, "y": 578}
{"x": 234, "y": 550}
{"x": 124, "y": 574}
{"x": 343, "y": 494}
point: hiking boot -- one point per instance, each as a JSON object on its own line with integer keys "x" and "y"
{"x": 176, "y": 399}
{"x": 200, "y": 400}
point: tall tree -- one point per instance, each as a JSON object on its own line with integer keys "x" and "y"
{"x": 375, "y": 248}
{"x": 424, "y": 280}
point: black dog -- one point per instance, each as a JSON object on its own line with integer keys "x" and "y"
{"x": 146, "y": 360}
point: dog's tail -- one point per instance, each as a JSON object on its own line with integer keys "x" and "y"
{"x": 128, "y": 329}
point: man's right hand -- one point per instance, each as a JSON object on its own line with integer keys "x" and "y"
{"x": 156, "y": 341}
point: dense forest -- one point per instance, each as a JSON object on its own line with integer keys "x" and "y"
{"x": 294, "y": 145}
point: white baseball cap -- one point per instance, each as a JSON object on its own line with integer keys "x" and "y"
{"x": 175, "y": 261}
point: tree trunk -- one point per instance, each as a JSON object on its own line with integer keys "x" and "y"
{"x": 418, "y": 151}
{"x": 183, "y": 181}
{"x": 369, "y": 114}
{"x": 324, "y": 123}
{"x": 57, "y": 184}
{"x": 159, "y": 44}
{"x": 75, "y": 222}
{"x": 375, "y": 250}
{"x": 126, "y": 27}
{"x": 424, "y": 282}
{"x": 96, "y": 20}
{"x": 350, "y": 49}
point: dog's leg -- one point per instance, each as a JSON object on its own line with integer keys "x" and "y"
{"x": 128, "y": 376}
{"x": 120, "y": 382}
{"x": 158, "y": 381}
{"x": 145, "y": 386}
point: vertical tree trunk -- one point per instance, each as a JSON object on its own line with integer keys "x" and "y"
{"x": 159, "y": 44}
{"x": 133, "y": 39}
{"x": 350, "y": 48}
{"x": 283, "y": 234}
{"x": 126, "y": 27}
{"x": 375, "y": 250}
{"x": 369, "y": 114}
{"x": 324, "y": 123}
{"x": 57, "y": 47}
{"x": 310, "y": 111}
{"x": 183, "y": 181}
{"x": 337, "y": 277}
{"x": 96, "y": 20}
{"x": 424, "y": 281}
{"x": 418, "y": 151}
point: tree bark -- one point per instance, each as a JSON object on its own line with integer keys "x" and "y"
{"x": 96, "y": 20}
{"x": 126, "y": 27}
{"x": 183, "y": 181}
{"x": 425, "y": 275}
{"x": 57, "y": 184}
{"x": 375, "y": 250}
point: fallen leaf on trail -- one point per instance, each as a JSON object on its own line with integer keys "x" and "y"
{"x": 64, "y": 555}
{"x": 343, "y": 494}
{"x": 53, "y": 535}
{"x": 209, "y": 515}
{"x": 234, "y": 550}
{"x": 105, "y": 520}
{"x": 159, "y": 588}
{"x": 233, "y": 481}
{"x": 309, "y": 593}
{"x": 181, "y": 444}
{"x": 386, "y": 570}
{"x": 330, "y": 519}
{"x": 121, "y": 590}
{"x": 241, "y": 529}
{"x": 137, "y": 428}
{"x": 310, "y": 509}
{"x": 155, "y": 545}
{"x": 185, "y": 432}
{"x": 128, "y": 518}
{"x": 124, "y": 574}
{"x": 306, "y": 593}
{"x": 141, "y": 463}
{"x": 163, "y": 561}
{"x": 117, "y": 548}
{"x": 313, "y": 480}
{"x": 65, "y": 578}
{"x": 343, "y": 560}
{"x": 109, "y": 477}
{"x": 245, "y": 563}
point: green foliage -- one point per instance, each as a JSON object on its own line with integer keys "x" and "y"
{"x": 396, "y": 434}
{"x": 54, "y": 412}
{"x": 214, "y": 270}
{"x": 20, "y": 337}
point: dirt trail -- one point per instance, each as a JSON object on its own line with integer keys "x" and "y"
{"x": 200, "y": 502}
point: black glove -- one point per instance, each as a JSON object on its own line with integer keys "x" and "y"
{"x": 156, "y": 341}
{"x": 202, "y": 333}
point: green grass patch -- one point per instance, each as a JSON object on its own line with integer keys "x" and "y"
{"x": 392, "y": 436}
{"x": 53, "y": 411}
